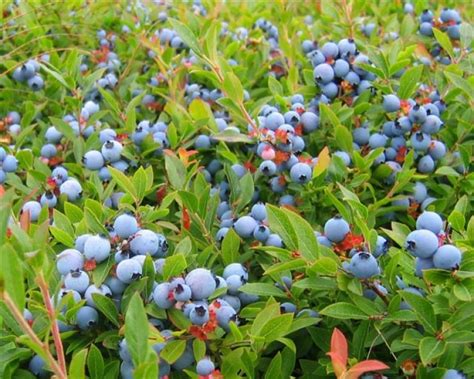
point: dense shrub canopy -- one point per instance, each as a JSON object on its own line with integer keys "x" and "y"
{"x": 236, "y": 189}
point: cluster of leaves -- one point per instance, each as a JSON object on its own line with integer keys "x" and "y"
{"x": 171, "y": 194}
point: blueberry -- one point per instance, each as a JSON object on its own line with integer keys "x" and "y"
{"x": 310, "y": 121}
{"x": 261, "y": 233}
{"x": 421, "y": 243}
{"x": 182, "y": 292}
{"x": 221, "y": 233}
{"x": 377, "y": 140}
{"x": 426, "y": 16}
{"x": 205, "y": 367}
{"x": 426, "y": 29}
{"x": 423, "y": 264}
{"x": 161, "y": 296}
{"x": 454, "y": 374}
{"x": 323, "y": 73}
{"x": 235, "y": 269}
{"x": 86, "y": 317}
{"x": 259, "y": 212}
{"x": 431, "y": 221}
{"x": 112, "y": 151}
{"x": 381, "y": 247}
{"x": 287, "y": 308}
{"x": 307, "y": 313}
{"x": 426, "y": 165}
{"x": 102, "y": 290}
{"x": 201, "y": 282}
{"x": 336, "y": 229}
{"x": 37, "y": 366}
{"x": 361, "y": 135}
{"x": 330, "y": 50}
{"x": 202, "y": 142}
{"x": 144, "y": 242}
{"x": 116, "y": 286}
{"x": 301, "y": 173}
{"x": 48, "y": 199}
{"x": 10, "y": 163}
{"x": 346, "y": 159}
{"x": 59, "y": 174}
{"x": 69, "y": 260}
{"x": 36, "y": 83}
{"x": 431, "y": 125}
{"x": 199, "y": 315}
{"x": 72, "y": 189}
{"x": 274, "y": 240}
{"x": 268, "y": 168}
{"x": 33, "y": 208}
{"x": 363, "y": 265}
{"x": 454, "y": 32}
{"x": 129, "y": 270}
{"x": 347, "y": 47}
{"x": 225, "y": 314}
{"x": 125, "y": 225}
{"x": 77, "y": 281}
{"x": 239, "y": 170}
{"x": 245, "y": 226}
{"x": 97, "y": 248}
{"x": 420, "y": 192}
{"x": 234, "y": 282}
{"x": 437, "y": 150}
{"x": 274, "y": 120}
{"x": 420, "y": 141}
{"x": 391, "y": 103}
{"x": 447, "y": 257}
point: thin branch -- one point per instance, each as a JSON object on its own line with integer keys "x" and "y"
{"x": 32, "y": 335}
{"x": 54, "y": 325}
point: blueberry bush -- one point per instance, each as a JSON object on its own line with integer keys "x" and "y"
{"x": 243, "y": 189}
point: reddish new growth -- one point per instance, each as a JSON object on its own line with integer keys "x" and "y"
{"x": 405, "y": 107}
{"x": 101, "y": 55}
{"x": 160, "y": 194}
{"x": 90, "y": 265}
{"x": 401, "y": 154}
{"x": 413, "y": 209}
{"x": 186, "y": 219}
{"x": 216, "y": 374}
{"x": 349, "y": 242}
{"x": 250, "y": 167}
{"x": 201, "y": 332}
{"x": 281, "y": 156}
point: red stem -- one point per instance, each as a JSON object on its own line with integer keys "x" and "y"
{"x": 58, "y": 343}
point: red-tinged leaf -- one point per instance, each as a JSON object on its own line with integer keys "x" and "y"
{"x": 338, "y": 365}
{"x": 186, "y": 219}
{"x": 2, "y": 190}
{"x": 339, "y": 345}
{"x": 365, "y": 366}
{"x": 25, "y": 220}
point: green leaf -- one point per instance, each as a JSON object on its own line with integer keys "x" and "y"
{"x": 343, "y": 138}
{"x": 199, "y": 349}
{"x": 444, "y": 41}
{"x": 175, "y": 170}
{"x": 106, "y": 305}
{"x": 186, "y": 35}
{"x": 409, "y": 81}
{"x": 173, "y": 350}
{"x": 430, "y": 349}
{"x": 276, "y": 327}
{"x": 77, "y": 369}
{"x": 328, "y": 116}
{"x": 123, "y": 182}
{"x": 344, "y": 311}
{"x": 136, "y": 329}
{"x": 307, "y": 242}
{"x": 174, "y": 266}
{"x": 232, "y": 136}
{"x": 464, "y": 85}
{"x": 462, "y": 292}
{"x": 262, "y": 289}
{"x": 11, "y": 275}
{"x": 280, "y": 224}
{"x": 247, "y": 189}
{"x": 93, "y": 222}
{"x": 275, "y": 86}
{"x": 230, "y": 247}
{"x": 62, "y": 236}
{"x": 140, "y": 183}
{"x": 95, "y": 363}
{"x": 56, "y": 75}
{"x": 423, "y": 310}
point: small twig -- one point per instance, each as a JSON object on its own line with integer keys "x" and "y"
{"x": 347, "y": 8}
{"x": 30, "y": 333}
{"x": 54, "y": 325}
{"x": 385, "y": 341}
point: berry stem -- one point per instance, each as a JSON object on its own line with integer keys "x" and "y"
{"x": 54, "y": 325}
{"x": 55, "y": 367}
